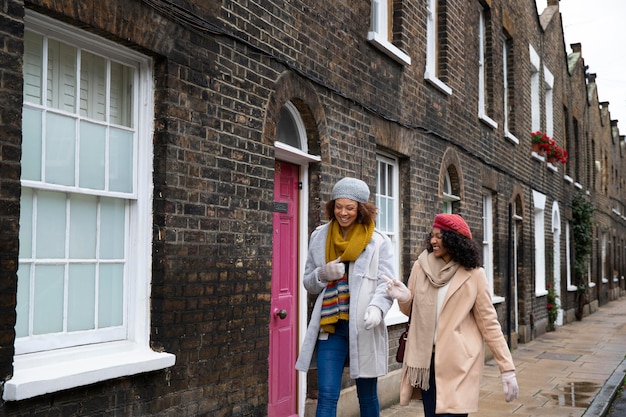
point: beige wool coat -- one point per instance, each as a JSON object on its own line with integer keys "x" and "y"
{"x": 467, "y": 321}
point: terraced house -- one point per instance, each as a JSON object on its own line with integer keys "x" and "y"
{"x": 163, "y": 163}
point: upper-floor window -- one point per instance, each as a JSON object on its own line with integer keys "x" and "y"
{"x": 485, "y": 69}
{"x": 85, "y": 221}
{"x": 437, "y": 45}
{"x": 381, "y": 31}
{"x": 508, "y": 70}
{"x": 535, "y": 99}
{"x": 548, "y": 94}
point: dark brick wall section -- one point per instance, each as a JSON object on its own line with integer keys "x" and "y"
{"x": 11, "y": 33}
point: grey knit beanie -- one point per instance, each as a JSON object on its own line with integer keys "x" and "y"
{"x": 351, "y": 188}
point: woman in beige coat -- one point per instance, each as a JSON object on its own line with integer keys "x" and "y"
{"x": 451, "y": 317}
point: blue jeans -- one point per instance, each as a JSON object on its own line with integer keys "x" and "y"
{"x": 332, "y": 355}
{"x": 429, "y": 397}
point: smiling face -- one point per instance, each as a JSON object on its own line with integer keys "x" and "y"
{"x": 346, "y": 211}
{"x": 436, "y": 242}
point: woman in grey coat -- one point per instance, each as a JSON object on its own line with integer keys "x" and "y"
{"x": 346, "y": 261}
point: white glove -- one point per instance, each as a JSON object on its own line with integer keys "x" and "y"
{"x": 509, "y": 386}
{"x": 332, "y": 271}
{"x": 372, "y": 318}
{"x": 396, "y": 289}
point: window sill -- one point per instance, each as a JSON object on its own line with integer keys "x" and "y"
{"x": 487, "y": 120}
{"x": 42, "y": 373}
{"x": 440, "y": 85}
{"x": 388, "y": 48}
{"x": 537, "y": 156}
{"x": 510, "y": 136}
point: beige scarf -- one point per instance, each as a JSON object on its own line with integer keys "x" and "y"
{"x": 428, "y": 275}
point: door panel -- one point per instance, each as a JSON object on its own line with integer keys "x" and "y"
{"x": 283, "y": 311}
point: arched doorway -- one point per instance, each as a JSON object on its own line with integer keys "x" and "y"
{"x": 288, "y": 248}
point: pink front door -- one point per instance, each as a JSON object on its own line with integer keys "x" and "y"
{"x": 283, "y": 309}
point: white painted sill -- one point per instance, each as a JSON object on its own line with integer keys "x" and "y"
{"x": 388, "y": 48}
{"x": 46, "y": 372}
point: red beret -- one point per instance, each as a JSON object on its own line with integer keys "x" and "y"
{"x": 452, "y": 222}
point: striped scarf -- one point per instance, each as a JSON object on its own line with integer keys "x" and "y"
{"x": 336, "y": 302}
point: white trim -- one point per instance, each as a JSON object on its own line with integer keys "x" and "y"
{"x": 535, "y": 63}
{"x": 392, "y": 51}
{"x": 556, "y": 256}
{"x": 430, "y": 73}
{"x": 539, "y": 203}
{"x": 43, "y": 373}
{"x": 288, "y": 153}
{"x": 379, "y": 33}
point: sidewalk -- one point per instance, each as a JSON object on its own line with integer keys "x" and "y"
{"x": 572, "y": 372}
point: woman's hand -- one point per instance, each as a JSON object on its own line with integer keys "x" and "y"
{"x": 332, "y": 271}
{"x": 509, "y": 386}
{"x": 373, "y": 317}
{"x": 397, "y": 290}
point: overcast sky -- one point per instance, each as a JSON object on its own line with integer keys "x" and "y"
{"x": 600, "y": 27}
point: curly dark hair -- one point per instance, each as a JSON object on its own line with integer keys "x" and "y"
{"x": 366, "y": 212}
{"x": 462, "y": 249}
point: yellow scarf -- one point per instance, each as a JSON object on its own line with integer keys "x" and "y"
{"x": 335, "y": 305}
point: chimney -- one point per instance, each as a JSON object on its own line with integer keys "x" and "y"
{"x": 576, "y": 47}
{"x": 553, "y": 2}
{"x": 592, "y": 78}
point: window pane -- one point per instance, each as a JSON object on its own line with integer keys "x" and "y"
{"x": 60, "y": 142}
{"x": 92, "y": 86}
{"x": 23, "y": 300}
{"x": 122, "y": 90}
{"x": 112, "y": 227}
{"x": 26, "y": 224}
{"x": 92, "y": 152}
{"x": 33, "y": 59}
{"x": 50, "y": 225}
{"x": 31, "y": 144}
{"x": 120, "y": 160}
{"x": 110, "y": 295}
{"x": 61, "y": 76}
{"x": 83, "y": 217}
{"x": 81, "y": 294}
{"x": 48, "y": 301}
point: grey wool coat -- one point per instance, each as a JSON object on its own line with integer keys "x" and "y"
{"x": 368, "y": 348}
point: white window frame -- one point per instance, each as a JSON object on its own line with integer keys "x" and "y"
{"x": 488, "y": 245}
{"x": 430, "y": 73}
{"x": 482, "y": 71}
{"x": 392, "y": 229}
{"x": 556, "y": 256}
{"x": 603, "y": 255}
{"x": 505, "y": 87}
{"x": 539, "y": 203}
{"x": 447, "y": 196}
{"x": 568, "y": 257}
{"x": 548, "y": 94}
{"x": 58, "y": 369}
{"x": 379, "y": 32}
{"x": 535, "y": 65}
